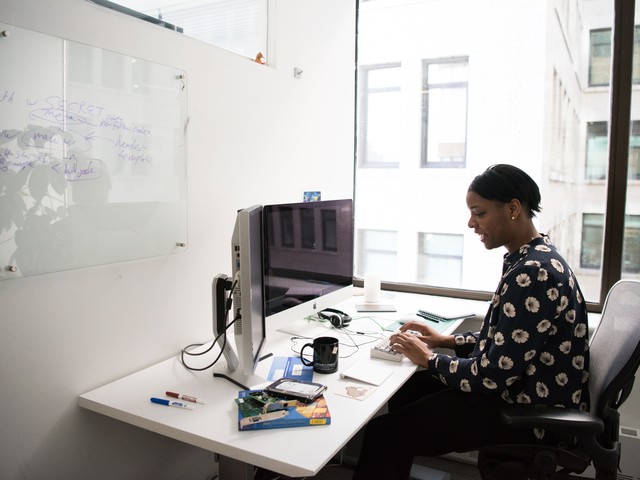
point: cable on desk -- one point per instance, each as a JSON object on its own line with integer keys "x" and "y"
{"x": 223, "y": 335}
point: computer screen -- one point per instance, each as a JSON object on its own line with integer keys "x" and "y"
{"x": 307, "y": 257}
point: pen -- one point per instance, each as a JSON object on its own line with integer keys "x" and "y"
{"x": 188, "y": 398}
{"x": 170, "y": 403}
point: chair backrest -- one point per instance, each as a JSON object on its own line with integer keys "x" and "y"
{"x": 615, "y": 348}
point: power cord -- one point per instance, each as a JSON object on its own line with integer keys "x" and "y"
{"x": 222, "y": 335}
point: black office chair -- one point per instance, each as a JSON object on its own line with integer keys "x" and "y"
{"x": 615, "y": 356}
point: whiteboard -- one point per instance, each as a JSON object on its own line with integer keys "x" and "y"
{"x": 92, "y": 156}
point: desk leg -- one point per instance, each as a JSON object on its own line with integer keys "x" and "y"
{"x": 232, "y": 469}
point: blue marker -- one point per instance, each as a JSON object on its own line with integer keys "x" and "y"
{"x": 170, "y": 403}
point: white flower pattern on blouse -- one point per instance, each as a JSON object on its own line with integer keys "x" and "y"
{"x": 533, "y": 344}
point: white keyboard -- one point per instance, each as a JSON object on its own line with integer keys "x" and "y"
{"x": 383, "y": 350}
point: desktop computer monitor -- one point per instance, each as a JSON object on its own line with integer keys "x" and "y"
{"x": 307, "y": 257}
{"x": 288, "y": 261}
{"x": 246, "y": 287}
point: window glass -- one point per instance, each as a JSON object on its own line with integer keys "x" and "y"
{"x": 515, "y": 88}
{"x": 380, "y": 133}
{"x": 440, "y": 259}
{"x": 631, "y": 245}
{"x": 600, "y": 56}
{"x": 591, "y": 248}
{"x": 592, "y": 254}
{"x": 634, "y": 151}
{"x": 600, "y": 50}
{"x": 597, "y": 151}
{"x": 378, "y": 253}
{"x": 444, "y": 106}
{"x": 236, "y": 25}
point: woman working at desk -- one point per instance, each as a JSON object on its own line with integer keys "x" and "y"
{"x": 532, "y": 347}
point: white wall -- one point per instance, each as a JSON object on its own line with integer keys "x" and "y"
{"x": 256, "y": 135}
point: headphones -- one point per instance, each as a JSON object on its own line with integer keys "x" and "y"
{"x": 337, "y": 318}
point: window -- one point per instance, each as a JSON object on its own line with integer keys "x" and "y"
{"x": 634, "y": 151}
{"x": 380, "y": 132}
{"x": 440, "y": 259}
{"x": 592, "y": 231}
{"x": 377, "y": 253}
{"x": 239, "y": 26}
{"x": 469, "y": 94}
{"x": 598, "y": 151}
{"x": 444, "y": 113}
{"x": 600, "y": 57}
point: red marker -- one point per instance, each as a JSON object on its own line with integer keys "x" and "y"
{"x": 188, "y": 398}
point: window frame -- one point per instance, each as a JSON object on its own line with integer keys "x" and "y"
{"x": 426, "y": 89}
{"x": 362, "y": 130}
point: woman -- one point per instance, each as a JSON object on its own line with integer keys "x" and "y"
{"x": 532, "y": 347}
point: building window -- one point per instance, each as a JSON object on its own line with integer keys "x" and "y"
{"x": 377, "y": 252}
{"x": 597, "y": 151}
{"x": 444, "y": 112}
{"x": 592, "y": 231}
{"x": 379, "y": 125}
{"x": 631, "y": 245}
{"x": 600, "y": 57}
{"x": 440, "y": 259}
{"x": 591, "y": 251}
{"x": 634, "y": 151}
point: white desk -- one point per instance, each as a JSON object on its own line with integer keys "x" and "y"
{"x": 291, "y": 451}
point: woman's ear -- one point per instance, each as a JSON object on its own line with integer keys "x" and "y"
{"x": 515, "y": 209}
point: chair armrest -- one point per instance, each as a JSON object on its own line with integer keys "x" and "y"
{"x": 561, "y": 420}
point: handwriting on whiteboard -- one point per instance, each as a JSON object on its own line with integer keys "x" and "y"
{"x": 71, "y": 137}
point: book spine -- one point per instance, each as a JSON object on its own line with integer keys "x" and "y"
{"x": 285, "y": 424}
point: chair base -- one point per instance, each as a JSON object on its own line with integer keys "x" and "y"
{"x": 525, "y": 462}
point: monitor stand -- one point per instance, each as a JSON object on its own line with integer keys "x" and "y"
{"x": 242, "y": 380}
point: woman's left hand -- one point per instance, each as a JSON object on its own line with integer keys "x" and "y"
{"x": 411, "y": 346}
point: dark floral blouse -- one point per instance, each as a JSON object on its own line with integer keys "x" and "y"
{"x": 533, "y": 347}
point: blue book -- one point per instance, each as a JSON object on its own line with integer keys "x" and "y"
{"x": 290, "y": 367}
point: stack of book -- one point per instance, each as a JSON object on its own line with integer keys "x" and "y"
{"x": 259, "y": 410}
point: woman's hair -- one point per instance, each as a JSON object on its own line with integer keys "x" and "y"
{"x": 503, "y": 183}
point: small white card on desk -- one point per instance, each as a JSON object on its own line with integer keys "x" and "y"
{"x": 357, "y": 392}
{"x": 367, "y": 372}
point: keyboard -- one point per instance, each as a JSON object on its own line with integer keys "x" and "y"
{"x": 383, "y": 350}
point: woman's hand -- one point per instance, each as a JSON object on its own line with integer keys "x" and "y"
{"x": 413, "y": 346}
{"x": 429, "y": 335}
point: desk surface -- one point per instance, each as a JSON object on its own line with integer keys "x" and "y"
{"x": 291, "y": 451}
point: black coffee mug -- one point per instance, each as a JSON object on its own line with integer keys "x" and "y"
{"x": 325, "y": 355}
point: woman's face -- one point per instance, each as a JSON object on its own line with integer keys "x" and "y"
{"x": 492, "y": 221}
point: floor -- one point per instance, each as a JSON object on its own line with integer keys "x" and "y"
{"x": 437, "y": 469}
